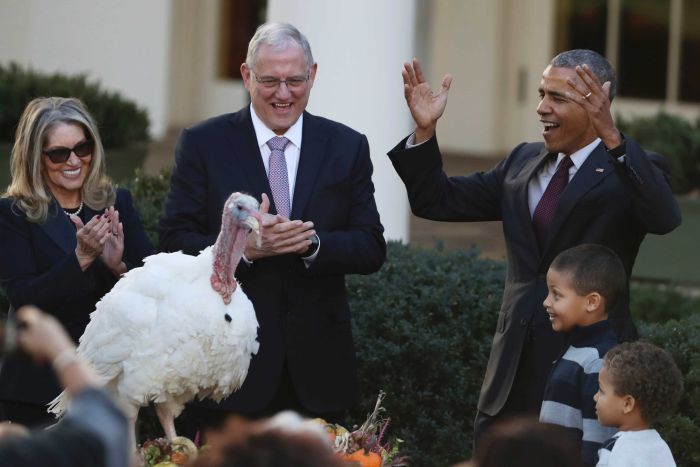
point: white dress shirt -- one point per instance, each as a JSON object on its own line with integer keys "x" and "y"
{"x": 291, "y": 155}
{"x": 291, "y": 152}
{"x": 539, "y": 183}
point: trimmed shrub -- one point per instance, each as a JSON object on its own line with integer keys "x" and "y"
{"x": 423, "y": 326}
{"x": 121, "y": 122}
{"x": 149, "y": 193}
{"x": 673, "y": 137}
{"x": 659, "y": 304}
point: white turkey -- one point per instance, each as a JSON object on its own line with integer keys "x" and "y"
{"x": 178, "y": 327}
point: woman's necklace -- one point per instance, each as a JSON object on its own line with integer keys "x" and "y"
{"x": 75, "y": 211}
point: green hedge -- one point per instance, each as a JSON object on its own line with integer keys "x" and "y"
{"x": 149, "y": 193}
{"x": 423, "y": 326}
{"x": 659, "y": 304}
{"x": 121, "y": 122}
{"x": 676, "y": 139}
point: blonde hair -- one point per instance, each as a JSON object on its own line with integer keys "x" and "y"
{"x": 28, "y": 184}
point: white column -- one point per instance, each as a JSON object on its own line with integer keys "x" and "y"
{"x": 528, "y": 28}
{"x": 360, "y": 47}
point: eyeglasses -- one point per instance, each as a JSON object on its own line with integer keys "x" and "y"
{"x": 60, "y": 155}
{"x": 294, "y": 83}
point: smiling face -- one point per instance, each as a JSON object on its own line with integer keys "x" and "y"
{"x": 567, "y": 127}
{"x": 609, "y": 406}
{"x": 279, "y": 107}
{"x": 565, "y": 307}
{"x": 65, "y": 179}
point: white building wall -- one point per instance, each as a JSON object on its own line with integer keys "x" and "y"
{"x": 467, "y": 42}
{"x": 496, "y": 51}
{"x": 360, "y": 47}
{"x": 527, "y": 29}
{"x": 123, "y": 44}
{"x": 197, "y": 92}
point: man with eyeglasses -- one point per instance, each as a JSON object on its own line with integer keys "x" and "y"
{"x": 314, "y": 176}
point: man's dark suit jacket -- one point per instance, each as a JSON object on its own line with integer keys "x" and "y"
{"x": 38, "y": 266}
{"x": 303, "y": 313}
{"x": 607, "y": 202}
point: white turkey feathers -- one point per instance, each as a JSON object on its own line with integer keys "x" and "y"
{"x": 163, "y": 334}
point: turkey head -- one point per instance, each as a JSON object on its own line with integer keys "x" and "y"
{"x": 239, "y": 218}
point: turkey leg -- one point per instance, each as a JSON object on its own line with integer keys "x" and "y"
{"x": 167, "y": 420}
{"x": 132, "y": 434}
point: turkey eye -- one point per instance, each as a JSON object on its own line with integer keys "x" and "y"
{"x": 227, "y": 317}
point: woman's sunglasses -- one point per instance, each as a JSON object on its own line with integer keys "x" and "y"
{"x": 60, "y": 155}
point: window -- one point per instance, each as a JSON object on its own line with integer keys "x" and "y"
{"x": 582, "y": 25}
{"x": 653, "y": 44}
{"x": 690, "y": 52}
{"x": 239, "y": 20}
{"x": 643, "y": 48}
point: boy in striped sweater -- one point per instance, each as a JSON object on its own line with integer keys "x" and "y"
{"x": 583, "y": 283}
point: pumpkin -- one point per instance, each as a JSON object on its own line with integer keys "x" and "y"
{"x": 179, "y": 458}
{"x": 329, "y": 428}
{"x": 183, "y": 450}
{"x": 364, "y": 458}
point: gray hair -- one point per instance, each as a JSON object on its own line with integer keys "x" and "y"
{"x": 278, "y": 36}
{"x": 598, "y": 64}
{"x": 28, "y": 186}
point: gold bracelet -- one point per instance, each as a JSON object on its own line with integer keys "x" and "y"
{"x": 64, "y": 359}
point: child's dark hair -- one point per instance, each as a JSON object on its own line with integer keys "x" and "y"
{"x": 647, "y": 373}
{"x": 267, "y": 443}
{"x": 526, "y": 442}
{"x": 593, "y": 268}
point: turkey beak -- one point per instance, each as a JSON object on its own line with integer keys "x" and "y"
{"x": 253, "y": 223}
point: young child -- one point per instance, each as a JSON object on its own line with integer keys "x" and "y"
{"x": 639, "y": 384}
{"x": 584, "y": 282}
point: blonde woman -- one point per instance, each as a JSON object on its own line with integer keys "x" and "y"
{"x": 66, "y": 236}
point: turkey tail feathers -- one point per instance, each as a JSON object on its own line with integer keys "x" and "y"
{"x": 59, "y": 405}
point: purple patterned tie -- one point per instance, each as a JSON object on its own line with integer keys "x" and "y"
{"x": 277, "y": 174}
{"x": 544, "y": 212}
